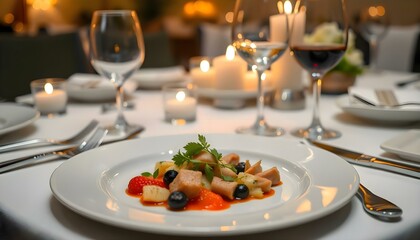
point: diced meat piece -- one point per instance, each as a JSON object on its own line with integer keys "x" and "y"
{"x": 223, "y": 171}
{"x": 247, "y": 165}
{"x": 205, "y": 157}
{"x": 254, "y": 169}
{"x": 271, "y": 174}
{"x": 223, "y": 188}
{"x": 231, "y": 158}
{"x": 262, "y": 183}
{"x": 188, "y": 182}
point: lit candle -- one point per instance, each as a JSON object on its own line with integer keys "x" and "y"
{"x": 229, "y": 70}
{"x": 181, "y": 107}
{"x": 51, "y": 100}
{"x": 203, "y": 76}
{"x": 286, "y": 72}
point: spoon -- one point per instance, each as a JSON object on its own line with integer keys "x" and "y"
{"x": 378, "y": 206}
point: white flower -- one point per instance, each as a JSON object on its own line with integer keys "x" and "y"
{"x": 355, "y": 57}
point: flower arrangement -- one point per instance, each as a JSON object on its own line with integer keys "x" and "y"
{"x": 352, "y": 62}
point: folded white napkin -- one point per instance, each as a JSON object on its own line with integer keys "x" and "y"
{"x": 402, "y": 95}
{"x": 91, "y": 81}
{"x": 160, "y": 74}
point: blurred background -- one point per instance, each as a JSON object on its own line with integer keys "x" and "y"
{"x": 175, "y": 31}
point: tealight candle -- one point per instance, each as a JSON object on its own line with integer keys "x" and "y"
{"x": 50, "y": 96}
{"x": 180, "y": 103}
{"x": 229, "y": 70}
{"x": 201, "y": 72}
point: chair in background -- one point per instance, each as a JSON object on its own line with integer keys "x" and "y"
{"x": 26, "y": 58}
{"x": 158, "y": 52}
{"x": 397, "y": 50}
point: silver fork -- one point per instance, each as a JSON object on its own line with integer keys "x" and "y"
{"x": 92, "y": 141}
{"x": 47, "y": 141}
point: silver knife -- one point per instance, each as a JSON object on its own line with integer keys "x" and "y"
{"x": 370, "y": 161}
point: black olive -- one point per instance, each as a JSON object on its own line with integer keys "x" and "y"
{"x": 177, "y": 200}
{"x": 240, "y": 167}
{"x": 241, "y": 191}
{"x": 169, "y": 177}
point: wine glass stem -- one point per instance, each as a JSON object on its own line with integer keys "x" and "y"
{"x": 260, "y": 100}
{"x": 316, "y": 92}
{"x": 373, "y": 58}
{"x": 121, "y": 123}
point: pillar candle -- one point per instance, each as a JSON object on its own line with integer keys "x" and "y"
{"x": 229, "y": 70}
{"x": 286, "y": 71}
{"x": 203, "y": 76}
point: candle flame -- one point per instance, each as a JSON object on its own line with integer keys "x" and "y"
{"x": 204, "y": 66}
{"x": 230, "y": 53}
{"x": 288, "y": 7}
{"x": 48, "y": 87}
{"x": 180, "y": 96}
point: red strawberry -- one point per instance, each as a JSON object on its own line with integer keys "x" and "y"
{"x": 136, "y": 184}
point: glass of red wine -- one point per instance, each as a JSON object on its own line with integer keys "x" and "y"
{"x": 318, "y": 52}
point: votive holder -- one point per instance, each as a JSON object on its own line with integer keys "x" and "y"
{"x": 50, "y": 96}
{"x": 179, "y": 103}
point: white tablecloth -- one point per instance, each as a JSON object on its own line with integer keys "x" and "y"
{"x": 29, "y": 210}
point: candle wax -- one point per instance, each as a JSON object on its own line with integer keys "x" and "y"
{"x": 54, "y": 102}
{"x": 185, "y": 109}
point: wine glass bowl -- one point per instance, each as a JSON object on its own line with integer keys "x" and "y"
{"x": 117, "y": 51}
{"x": 373, "y": 23}
{"x": 252, "y": 37}
{"x": 318, "y": 56}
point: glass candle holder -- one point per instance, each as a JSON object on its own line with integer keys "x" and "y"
{"x": 202, "y": 72}
{"x": 179, "y": 103}
{"x": 50, "y": 96}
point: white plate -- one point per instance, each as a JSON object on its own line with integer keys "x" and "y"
{"x": 315, "y": 183}
{"x": 229, "y": 98}
{"x": 406, "y": 145}
{"x": 14, "y": 117}
{"x": 155, "y": 78}
{"x": 100, "y": 89}
{"x": 387, "y": 115}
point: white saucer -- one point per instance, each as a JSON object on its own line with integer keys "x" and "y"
{"x": 229, "y": 98}
{"x": 386, "y": 115}
{"x": 94, "y": 88}
{"x": 155, "y": 78}
{"x": 406, "y": 145}
{"x": 14, "y": 116}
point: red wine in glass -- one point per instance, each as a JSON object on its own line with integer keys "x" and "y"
{"x": 318, "y": 59}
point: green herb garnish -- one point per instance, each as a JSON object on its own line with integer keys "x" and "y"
{"x": 154, "y": 175}
{"x": 194, "y": 148}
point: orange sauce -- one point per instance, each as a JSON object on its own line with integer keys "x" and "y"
{"x": 207, "y": 200}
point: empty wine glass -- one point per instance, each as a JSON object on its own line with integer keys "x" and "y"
{"x": 373, "y": 23}
{"x": 260, "y": 36}
{"x": 319, "y": 51}
{"x": 117, "y": 51}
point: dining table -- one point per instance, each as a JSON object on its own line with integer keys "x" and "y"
{"x": 29, "y": 209}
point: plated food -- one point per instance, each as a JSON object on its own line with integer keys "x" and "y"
{"x": 201, "y": 178}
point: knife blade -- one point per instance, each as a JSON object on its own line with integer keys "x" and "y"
{"x": 370, "y": 161}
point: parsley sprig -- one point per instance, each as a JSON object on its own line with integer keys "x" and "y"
{"x": 194, "y": 148}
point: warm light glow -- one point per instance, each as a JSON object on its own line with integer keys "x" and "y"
{"x": 204, "y": 66}
{"x": 229, "y": 17}
{"x": 199, "y": 8}
{"x": 48, "y": 87}
{"x": 380, "y": 10}
{"x": 18, "y": 27}
{"x": 373, "y": 12}
{"x": 288, "y": 7}
{"x": 116, "y": 48}
{"x": 305, "y": 206}
{"x": 280, "y": 7}
{"x": 230, "y": 53}
{"x": 9, "y": 18}
{"x": 180, "y": 96}
{"x": 41, "y": 4}
{"x": 328, "y": 195}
